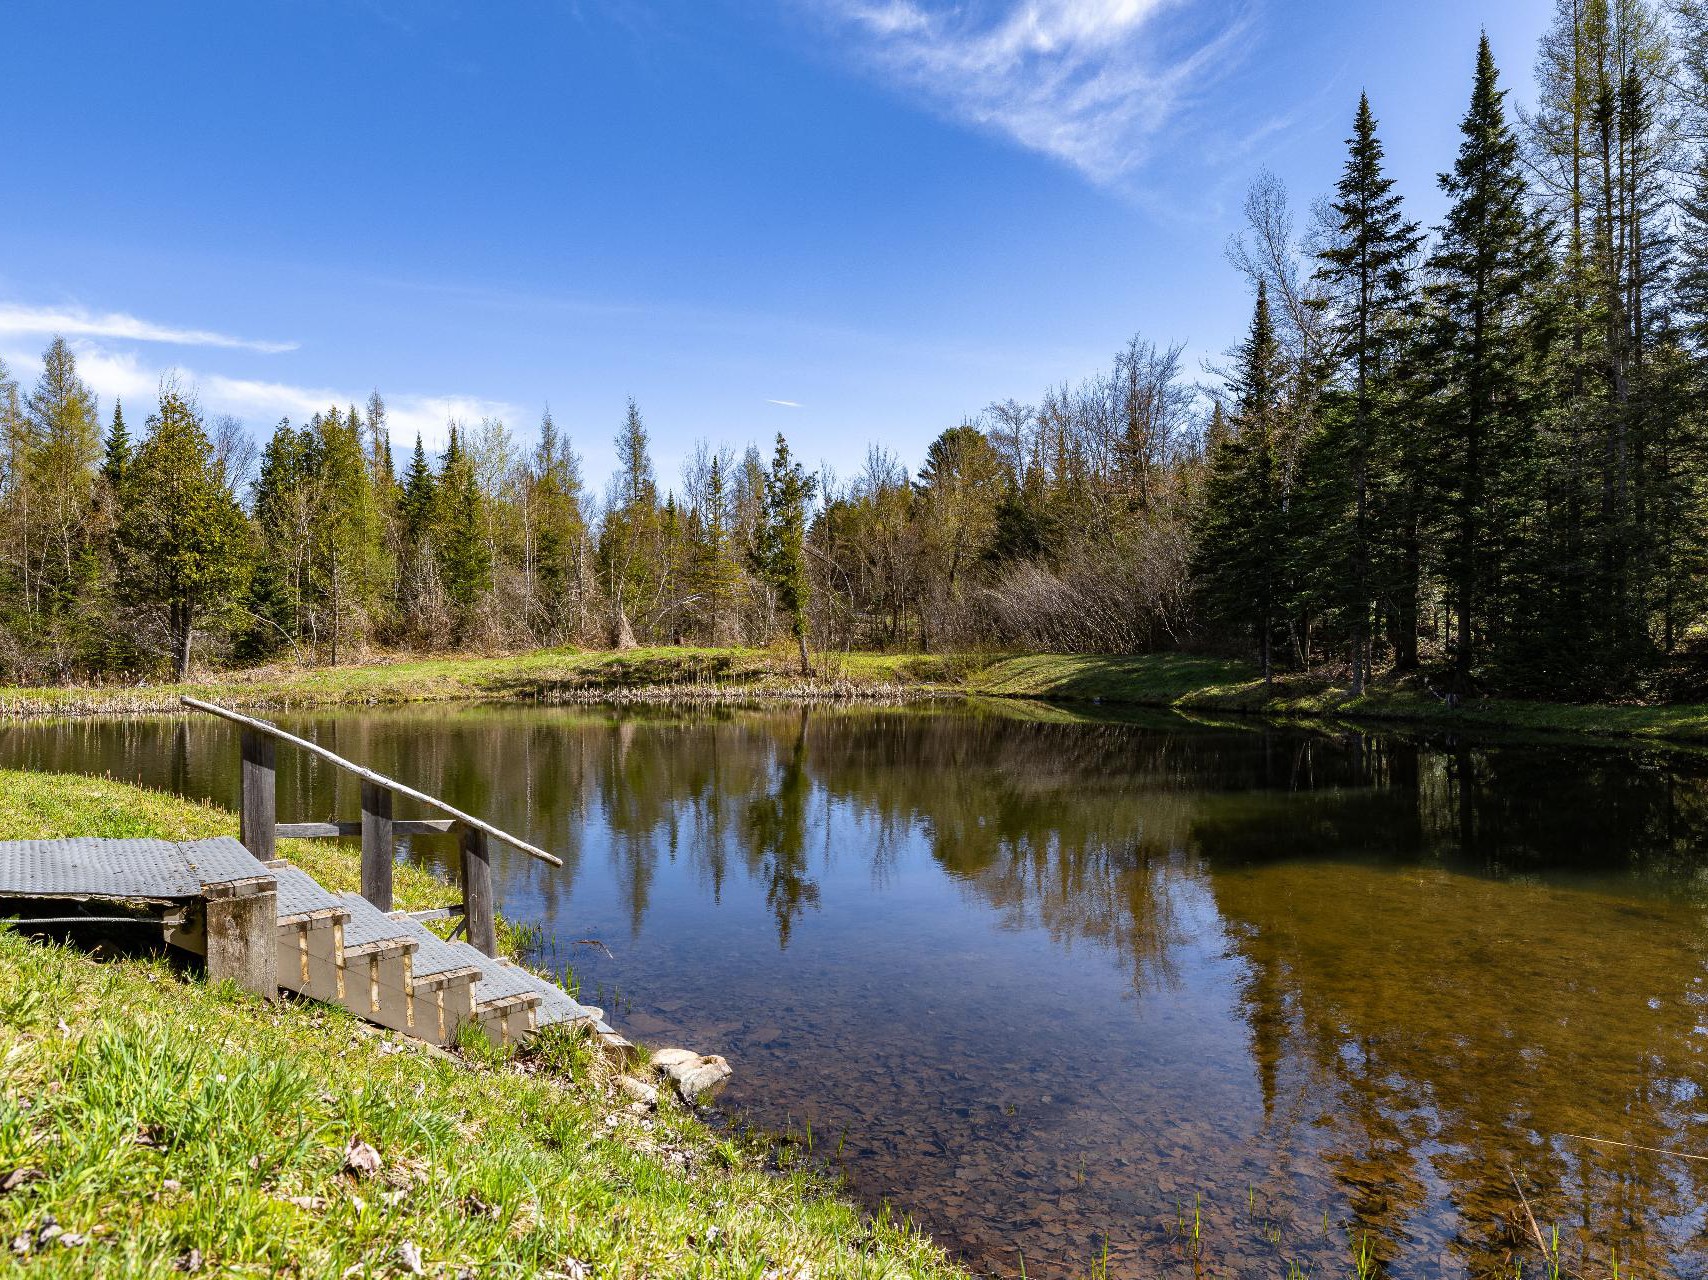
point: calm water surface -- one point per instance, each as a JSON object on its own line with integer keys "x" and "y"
{"x": 1055, "y": 987}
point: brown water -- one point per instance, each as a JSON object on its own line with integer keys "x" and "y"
{"x": 1145, "y": 995}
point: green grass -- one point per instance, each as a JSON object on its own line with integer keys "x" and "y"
{"x": 697, "y": 676}
{"x": 1187, "y": 683}
{"x": 160, "y": 1121}
{"x": 551, "y": 674}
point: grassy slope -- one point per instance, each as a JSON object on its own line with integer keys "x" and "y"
{"x": 164, "y": 1116}
{"x": 1212, "y": 684}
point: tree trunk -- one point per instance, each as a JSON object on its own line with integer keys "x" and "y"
{"x": 801, "y": 637}
{"x": 185, "y": 630}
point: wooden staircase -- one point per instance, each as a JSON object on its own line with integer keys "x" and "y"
{"x": 271, "y": 925}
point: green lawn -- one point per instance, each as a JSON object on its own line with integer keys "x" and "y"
{"x": 159, "y": 1123}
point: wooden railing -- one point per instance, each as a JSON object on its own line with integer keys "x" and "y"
{"x": 377, "y": 828}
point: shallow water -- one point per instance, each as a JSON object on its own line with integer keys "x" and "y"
{"x": 1144, "y": 994}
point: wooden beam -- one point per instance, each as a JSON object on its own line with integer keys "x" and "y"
{"x": 376, "y": 844}
{"x": 260, "y": 794}
{"x": 368, "y": 775}
{"x": 479, "y": 912}
{"x": 349, "y": 830}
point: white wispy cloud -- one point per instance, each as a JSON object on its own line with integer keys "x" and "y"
{"x": 787, "y": 404}
{"x": 77, "y": 322}
{"x": 1090, "y": 82}
{"x": 123, "y": 375}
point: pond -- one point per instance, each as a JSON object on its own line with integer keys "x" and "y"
{"x": 1131, "y": 993}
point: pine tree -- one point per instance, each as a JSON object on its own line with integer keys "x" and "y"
{"x": 118, "y": 457}
{"x": 183, "y": 539}
{"x": 1487, "y": 265}
{"x": 560, "y": 539}
{"x": 465, "y": 567}
{"x": 782, "y": 556}
{"x": 1241, "y": 536}
{"x": 629, "y": 546}
{"x": 716, "y": 572}
{"x": 1366, "y": 269}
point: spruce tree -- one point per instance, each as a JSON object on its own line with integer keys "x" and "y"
{"x": 1488, "y": 264}
{"x": 1366, "y": 269}
{"x": 118, "y": 457}
{"x": 465, "y": 567}
{"x": 782, "y": 558}
{"x": 1242, "y": 551}
{"x": 183, "y": 540}
{"x": 554, "y": 479}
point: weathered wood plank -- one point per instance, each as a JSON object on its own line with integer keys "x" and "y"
{"x": 376, "y": 844}
{"x": 479, "y": 910}
{"x": 242, "y": 940}
{"x": 260, "y": 794}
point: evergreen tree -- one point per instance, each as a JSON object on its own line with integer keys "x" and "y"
{"x": 1487, "y": 266}
{"x": 182, "y": 537}
{"x": 118, "y": 456}
{"x": 629, "y": 544}
{"x": 782, "y": 558}
{"x": 1366, "y": 269}
{"x": 465, "y": 566}
{"x": 560, "y": 530}
{"x": 716, "y": 573}
{"x": 1241, "y": 537}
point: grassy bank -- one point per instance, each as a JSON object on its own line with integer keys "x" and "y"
{"x": 549, "y": 675}
{"x": 694, "y": 676}
{"x": 1189, "y": 683}
{"x": 153, "y": 1125}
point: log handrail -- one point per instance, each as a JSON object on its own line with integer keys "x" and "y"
{"x": 370, "y": 776}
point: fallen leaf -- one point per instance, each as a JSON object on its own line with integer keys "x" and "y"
{"x": 361, "y": 1159}
{"x": 409, "y": 1257}
{"x": 315, "y": 1203}
{"x": 71, "y": 1239}
{"x": 17, "y": 1178}
{"x": 191, "y": 1261}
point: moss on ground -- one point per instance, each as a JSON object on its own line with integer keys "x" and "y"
{"x": 152, "y": 1124}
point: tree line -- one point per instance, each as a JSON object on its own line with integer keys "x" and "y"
{"x": 1475, "y": 454}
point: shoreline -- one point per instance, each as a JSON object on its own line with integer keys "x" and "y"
{"x": 465, "y": 1139}
{"x": 706, "y": 678}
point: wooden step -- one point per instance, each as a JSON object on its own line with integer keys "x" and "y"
{"x": 378, "y": 955}
{"x": 311, "y": 935}
{"x": 443, "y": 984}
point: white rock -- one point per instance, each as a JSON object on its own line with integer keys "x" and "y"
{"x": 638, "y": 1090}
{"x": 698, "y": 1077}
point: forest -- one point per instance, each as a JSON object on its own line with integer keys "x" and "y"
{"x": 1473, "y": 454}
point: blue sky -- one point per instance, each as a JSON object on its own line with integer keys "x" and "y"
{"x": 847, "y": 220}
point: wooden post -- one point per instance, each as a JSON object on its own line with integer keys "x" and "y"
{"x": 260, "y": 794}
{"x": 376, "y": 844}
{"x": 242, "y": 936}
{"x": 478, "y": 910}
